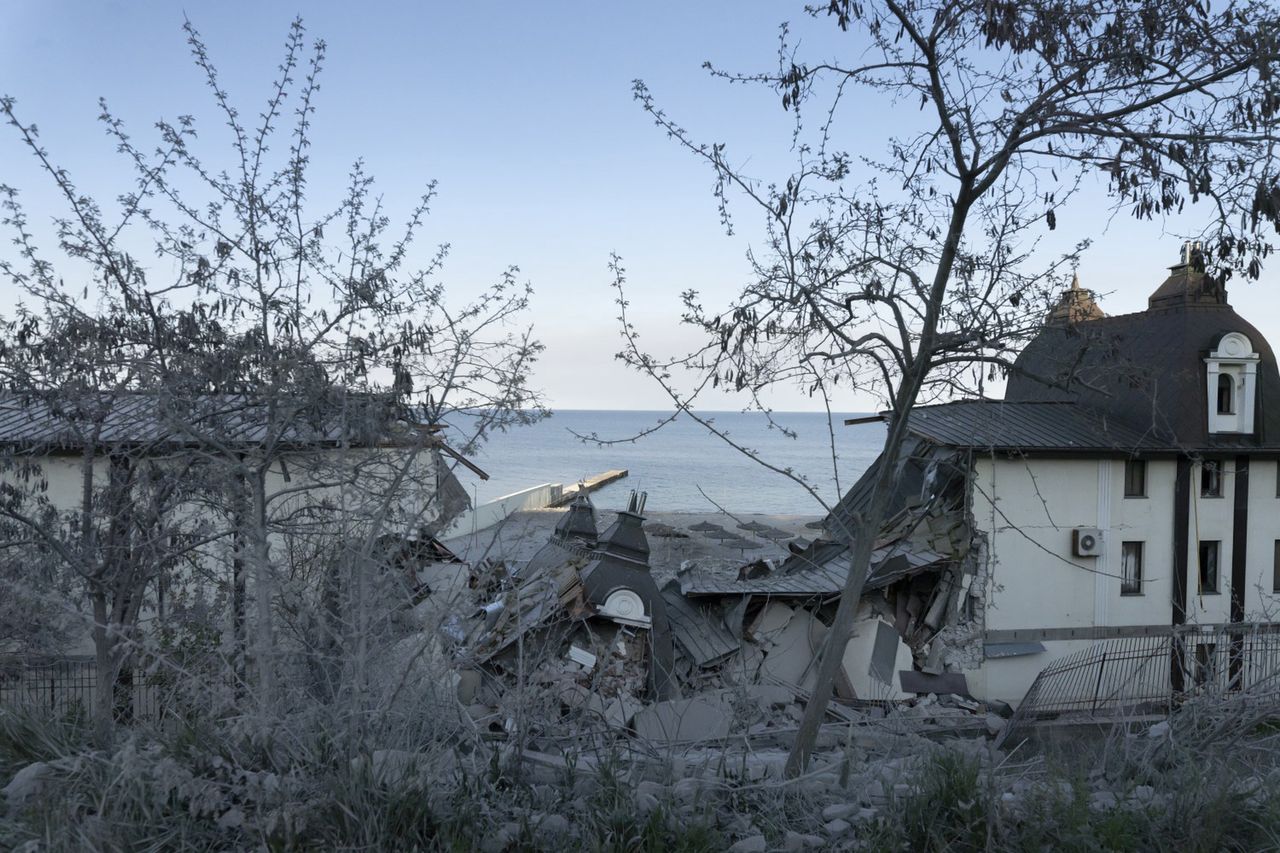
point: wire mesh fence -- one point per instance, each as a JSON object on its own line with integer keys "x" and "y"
{"x": 66, "y": 686}
{"x": 1151, "y": 674}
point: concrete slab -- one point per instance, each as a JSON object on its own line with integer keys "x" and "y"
{"x": 699, "y": 718}
{"x": 871, "y": 658}
{"x": 770, "y": 622}
{"x": 743, "y": 667}
{"x": 791, "y": 657}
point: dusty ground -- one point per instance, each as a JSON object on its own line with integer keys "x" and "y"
{"x": 523, "y": 533}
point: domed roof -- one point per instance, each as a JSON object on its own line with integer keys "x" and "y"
{"x": 1147, "y": 370}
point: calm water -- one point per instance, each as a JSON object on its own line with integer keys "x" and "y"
{"x": 672, "y": 463}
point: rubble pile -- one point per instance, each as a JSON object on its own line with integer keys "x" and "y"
{"x": 588, "y": 640}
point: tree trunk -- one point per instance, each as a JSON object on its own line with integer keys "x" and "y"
{"x": 104, "y": 674}
{"x": 260, "y": 559}
{"x": 868, "y": 528}
{"x": 863, "y": 538}
{"x": 239, "y": 589}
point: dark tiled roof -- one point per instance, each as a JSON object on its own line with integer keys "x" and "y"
{"x": 700, "y": 632}
{"x": 141, "y": 419}
{"x": 823, "y": 580}
{"x": 918, "y": 457}
{"x": 1147, "y": 371}
{"x": 821, "y": 570}
{"x": 1000, "y": 425}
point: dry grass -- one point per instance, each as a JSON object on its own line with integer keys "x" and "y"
{"x": 318, "y": 781}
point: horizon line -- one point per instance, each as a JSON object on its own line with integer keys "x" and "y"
{"x": 833, "y": 412}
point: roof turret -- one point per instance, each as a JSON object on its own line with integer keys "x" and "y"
{"x": 579, "y": 522}
{"x": 1076, "y": 305}
{"x": 1188, "y": 284}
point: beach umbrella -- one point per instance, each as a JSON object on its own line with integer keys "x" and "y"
{"x": 753, "y": 526}
{"x": 705, "y": 527}
{"x": 740, "y": 544}
{"x": 721, "y": 533}
{"x": 815, "y": 525}
{"x": 774, "y": 534}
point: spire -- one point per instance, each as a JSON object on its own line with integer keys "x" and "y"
{"x": 625, "y": 537}
{"x": 1076, "y": 305}
{"x": 579, "y": 522}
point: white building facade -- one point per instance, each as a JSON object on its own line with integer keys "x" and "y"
{"x": 1126, "y": 487}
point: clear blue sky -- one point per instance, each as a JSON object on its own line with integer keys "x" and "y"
{"x": 524, "y": 114}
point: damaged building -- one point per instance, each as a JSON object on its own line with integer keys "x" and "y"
{"x": 716, "y": 646}
{"x": 1122, "y": 491}
{"x": 1121, "y": 497}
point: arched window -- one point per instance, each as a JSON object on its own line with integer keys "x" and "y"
{"x": 1226, "y": 394}
{"x": 1232, "y": 387}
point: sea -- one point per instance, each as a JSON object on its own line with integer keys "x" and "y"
{"x": 681, "y": 466}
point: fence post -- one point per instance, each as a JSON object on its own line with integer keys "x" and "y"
{"x": 1097, "y": 687}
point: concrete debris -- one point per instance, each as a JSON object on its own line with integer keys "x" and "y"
{"x": 837, "y": 828}
{"x": 702, "y": 718}
{"x": 771, "y": 695}
{"x": 750, "y": 844}
{"x": 26, "y": 783}
{"x": 594, "y": 637}
{"x": 872, "y": 659}
{"x": 620, "y": 710}
{"x": 468, "y": 683}
{"x": 743, "y": 666}
{"x": 795, "y": 841}
{"x": 790, "y": 654}
{"x": 770, "y": 622}
{"x": 839, "y": 811}
{"x": 923, "y": 682}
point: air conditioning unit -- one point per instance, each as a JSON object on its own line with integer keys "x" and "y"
{"x": 1086, "y": 542}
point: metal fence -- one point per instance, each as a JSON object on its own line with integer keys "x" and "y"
{"x": 65, "y": 687}
{"x": 1151, "y": 674}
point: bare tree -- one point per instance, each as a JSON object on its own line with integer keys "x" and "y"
{"x": 70, "y": 392}
{"x": 303, "y": 360}
{"x": 917, "y": 272}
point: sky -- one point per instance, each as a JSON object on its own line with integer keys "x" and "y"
{"x": 524, "y": 114}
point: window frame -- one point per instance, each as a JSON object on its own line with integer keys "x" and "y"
{"x": 1136, "y": 548}
{"x": 1212, "y": 470}
{"x": 1140, "y": 466}
{"x": 1275, "y": 569}
{"x": 1214, "y": 547}
{"x": 1227, "y": 383}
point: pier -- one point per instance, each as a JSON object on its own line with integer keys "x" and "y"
{"x": 544, "y": 496}
{"x": 589, "y": 485}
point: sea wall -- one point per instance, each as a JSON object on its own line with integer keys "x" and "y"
{"x": 495, "y": 511}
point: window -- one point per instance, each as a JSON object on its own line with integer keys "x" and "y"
{"x": 1135, "y": 478}
{"x": 1231, "y": 376}
{"x": 1209, "y": 567}
{"x": 1131, "y": 567}
{"x": 1226, "y": 394}
{"x": 1275, "y": 569}
{"x": 1210, "y": 479}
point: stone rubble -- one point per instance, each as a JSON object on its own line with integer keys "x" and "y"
{"x": 593, "y": 637}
